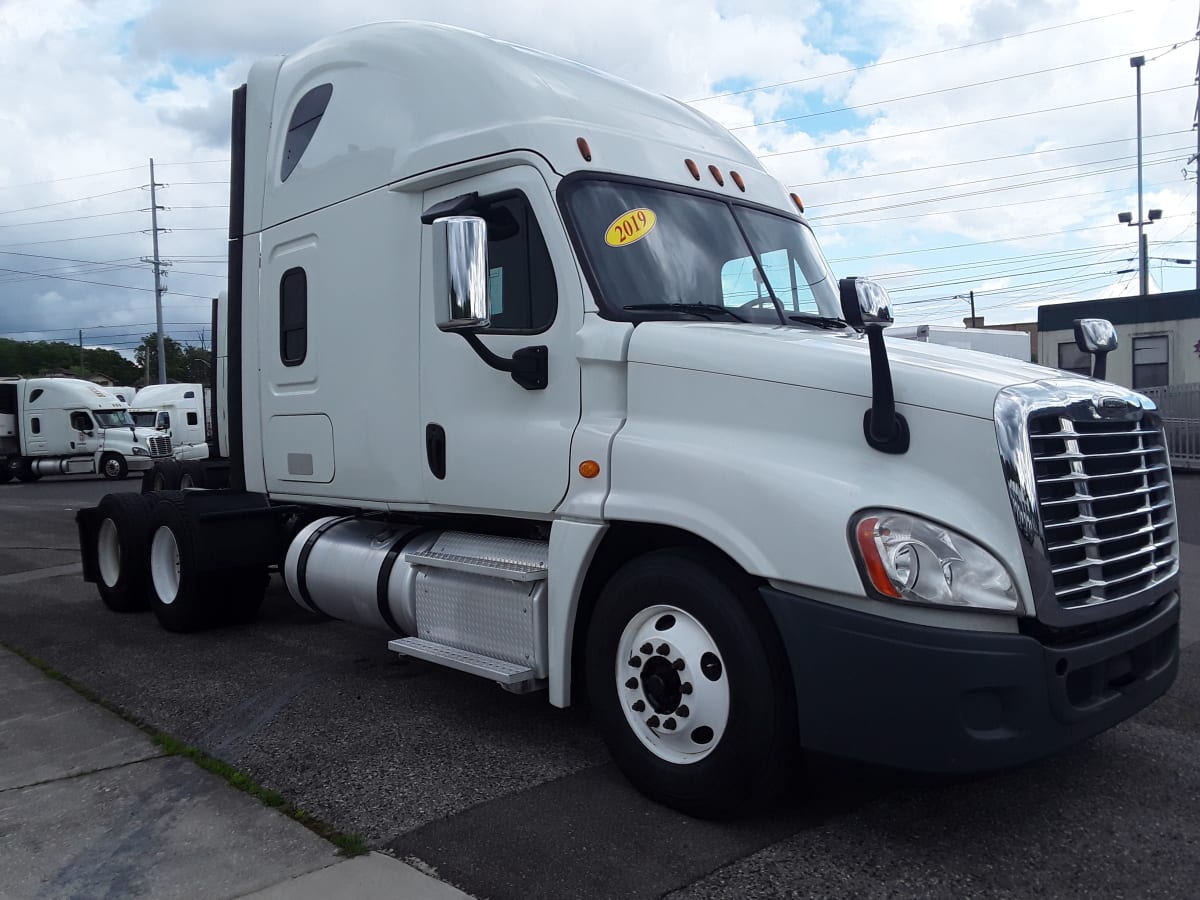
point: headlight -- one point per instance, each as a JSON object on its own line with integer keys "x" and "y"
{"x": 903, "y": 557}
{"x": 140, "y": 451}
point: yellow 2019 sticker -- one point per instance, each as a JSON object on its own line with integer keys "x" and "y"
{"x": 630, "y": 227}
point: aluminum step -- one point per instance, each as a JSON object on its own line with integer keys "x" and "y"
{"x": 507, "y": 569}
{"x": 497, "y": 670}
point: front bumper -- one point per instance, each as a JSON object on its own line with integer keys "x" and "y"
{"x": 140, "y": 463}
{"x": 948, "y": 701}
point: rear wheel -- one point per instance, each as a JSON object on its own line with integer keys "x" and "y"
{"x": 164, "y": 475}
{"x": 689, "y": 683}
{"x": 121, "y": 551}
{"x": 24, "y": 471}
{"x": 242, "y": 591}
{"x": 113, "y": 466}
{"x": 6, "y": 473}
{"x": 191, "y": 475}
{"x": 181, "y": 598}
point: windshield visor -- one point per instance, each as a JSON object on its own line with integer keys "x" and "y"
{"x": 648, "y": 246}
{"x": 114, "y": 419}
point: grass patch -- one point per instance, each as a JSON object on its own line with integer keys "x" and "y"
{"x": 347, "y": 844}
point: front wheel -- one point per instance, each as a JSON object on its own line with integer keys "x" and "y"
{"x": 689, "y": 683}
{"x": 113, "y": 466}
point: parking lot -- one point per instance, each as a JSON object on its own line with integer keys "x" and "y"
{"x": 506, "y": 797}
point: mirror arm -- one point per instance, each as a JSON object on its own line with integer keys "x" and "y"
{"x": 1100, "y": 366}
{"x": 885, "y": 429}
{"x": 529, "y": 366}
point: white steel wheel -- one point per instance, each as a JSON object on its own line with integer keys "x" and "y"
{"x": 186, "y": 482}
{"x": 108, "y": 553}
{"x": 673, "y": 684}
{"x": 164, "y": 565}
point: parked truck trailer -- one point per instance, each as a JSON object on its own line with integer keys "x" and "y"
{"x": 547, "y": 379}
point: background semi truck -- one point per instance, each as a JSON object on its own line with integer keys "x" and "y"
{"x": 180, "y": 411}
{"x": 547, "y": 379}
{"x": 63, "y": 426}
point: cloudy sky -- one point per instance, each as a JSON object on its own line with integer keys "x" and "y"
{"x": 943, "y": 146}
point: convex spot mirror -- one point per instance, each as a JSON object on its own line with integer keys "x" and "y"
{"x": 460, "y": 266}
{"x": 864, "y": 302}
{"x": 1095, "y": 335}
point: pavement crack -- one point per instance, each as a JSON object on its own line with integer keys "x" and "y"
{"x": 85, "y": 773}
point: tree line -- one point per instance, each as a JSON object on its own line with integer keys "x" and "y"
{"x": 33, "y": 358}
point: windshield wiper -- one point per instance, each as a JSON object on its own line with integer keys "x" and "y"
{"x": 704, "y": 310}
{"x": 820, "y": 321}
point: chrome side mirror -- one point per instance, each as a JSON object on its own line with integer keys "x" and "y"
{"x": 1098, "y": 337}
{"x": 460, "y": 269}
{"x": 865, "y": 302}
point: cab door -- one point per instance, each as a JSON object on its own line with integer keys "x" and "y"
{"x": 492, "y": 445}
{"x": 84, "y": 436}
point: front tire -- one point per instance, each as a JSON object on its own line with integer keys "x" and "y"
{"x": 24, "y": 471}
{"x": 689, "y": 683}
{"x": 113, "y": 466}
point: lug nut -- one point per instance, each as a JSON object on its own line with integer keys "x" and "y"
{"x": 669, "y": 724}
{"x": 647, "y": 648}
{"x": 631, "y": 683}
{"x": 685, "y": 688}
{"x": 636, "y": 662}
{"x": 679, "y": 664}
{"x": 652, "y": 721}
{"x": 663, "y": 649}
{"x": 638, "y": 706}
{"x": 683, "y": 712}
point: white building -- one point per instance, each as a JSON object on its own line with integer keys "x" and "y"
{"x": 1158, "y": 338}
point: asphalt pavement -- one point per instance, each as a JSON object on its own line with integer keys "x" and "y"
{"x": 497, "y": 794}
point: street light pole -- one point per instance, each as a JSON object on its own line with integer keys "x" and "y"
{"x": 1143, "y": 274}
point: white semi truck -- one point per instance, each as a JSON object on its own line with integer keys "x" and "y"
{"x": 64, "y": 426}
{"x": 547, "y": 378}
{"x": 181, "y": 411}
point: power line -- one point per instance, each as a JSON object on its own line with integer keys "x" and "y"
{"x": 993, "y": 190}
{"x": 1034, "y": 112}
{"x": 126, "y": 287}
{"x": 947, "y": 212}
{"x": 85, "y": 237}
{"x": 957, "y": 184}
{"x": 123, "y": 212}
{"x": 99, "y": 327}
{"x": 8, "y": 212}
{"x": 971, "y": 162}
{"x": 888, "y": 62}
{"x": 960, "y": 87}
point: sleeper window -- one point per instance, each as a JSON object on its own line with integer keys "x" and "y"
{"x": 293, "y": 317}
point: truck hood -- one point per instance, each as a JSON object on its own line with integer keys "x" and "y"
{"x": 928, "y": 375}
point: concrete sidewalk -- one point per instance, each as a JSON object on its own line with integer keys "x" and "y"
{"x": 91, "y": 807}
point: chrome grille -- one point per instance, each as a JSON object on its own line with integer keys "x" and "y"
{"x": 159, "y": 445}
{"x": 1106, "y": 507}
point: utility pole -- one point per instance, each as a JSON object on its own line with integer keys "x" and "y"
{"x": 1196, "y": 125}
{"x": 1143, "y": 275}
{"x": 972, "y": 307}
{"x": 158, "y": 288}
{"x": 81, "y": 353}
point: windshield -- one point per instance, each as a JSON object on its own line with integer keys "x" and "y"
{"x": 114, "y": 419}
{"x": 655, "y": 250}
{"x": 144, "y": 419}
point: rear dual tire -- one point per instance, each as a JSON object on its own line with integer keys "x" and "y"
{"x": 120, "y": 551}
{"x": 183, "y": 596}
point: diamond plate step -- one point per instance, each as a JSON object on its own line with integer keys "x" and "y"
{"x": 492, "y": 568}
{"x": 498, "y": 670}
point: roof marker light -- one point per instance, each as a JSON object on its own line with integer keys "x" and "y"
{"x": 693, "y": 168}
{"x": 584, "y": 150}
{"x": 717, "y": 176}
{"x": 737, "y": 179}
{"x": 798, "y": 202}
